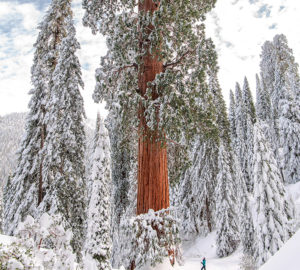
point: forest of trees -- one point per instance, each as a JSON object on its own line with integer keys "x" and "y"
{"x": 170, "y": 162}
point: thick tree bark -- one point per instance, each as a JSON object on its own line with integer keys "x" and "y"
{"x": 153, "y": 186}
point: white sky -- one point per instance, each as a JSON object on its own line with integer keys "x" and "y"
{"x": 238, "y": 28}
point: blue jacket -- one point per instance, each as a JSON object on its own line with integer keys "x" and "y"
{"x": 204, "y": 262}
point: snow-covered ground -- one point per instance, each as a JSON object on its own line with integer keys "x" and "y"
{"x": 194, "y": 251}
{"x": 288, "y": 257}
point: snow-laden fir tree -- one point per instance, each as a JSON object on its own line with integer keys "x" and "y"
{"x": 283, "y": 63}
{"x": 263, "y": 110}
{"x": 219, "y": 110}
{"x": 246, "y": 226}
{"x": 155, "y": 78}
{"x": 122, "y": 157}
{"x": 232, "y": 118}
{"x": 27, "y": 181}
{"x": 248, "y": 101}
{"x": 248, "y": 122}
{"x": 94, "y": 145}
{"x": 196, "y": 203}
{"x": 123, "y": 160}
{"x": 263, "y": 103}
{"x": 289, "y": 130}
{"x": 272, "y": 206}
{"x": 284, "y": 90}
{"x": 226, "y": 217}
{"x": 119, "y": 236}
{"x": 240, "y": 144}
{"x": 98, "y": 238}
{"x": 277, "y": 61}
{"x": 64, "y": 149}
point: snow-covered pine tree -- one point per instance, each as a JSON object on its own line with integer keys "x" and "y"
{"x": 196, "y": 203}
{"x": 277, "y": 61}
{"x": 248, "y": 122}
{"x": 289, "y": 130}
{"x": 155, "y": 78}
{"x": 122, "y": 157}
{"x": 119, "y": 231}
{"x": 64, "y": 180}
{"x": 263, "y": 103}
{"x": 197, "y": 189}
{"x": 94, "y": 145}
{"x": 241, "y": 131}
{"x": 27, "y": 182}
{"x": 98, "y": 239}
{"x": 232, "y": 120}
{"x": 123, "y": 160}
{"x": 246, "y": 226}
{"x": 271, "y": 203}
{"x": 219, "y": 110}
{"x": 264, "y": 112}
{"x": 248, "y": 101}
{"x": 283, "y": 62}
{"x": 226, "y": 217}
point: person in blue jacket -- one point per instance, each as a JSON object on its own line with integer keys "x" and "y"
{"x": 203, "y": 264}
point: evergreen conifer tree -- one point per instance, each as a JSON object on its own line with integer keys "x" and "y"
{"x": 98, "y": 238}
{"x": 241, "y": 147}
{"x": 271, "y": 203}
{"x": 232, "y": 119}
{"x": 94, "y": 145}
{"x": 27, "y": 182}
{"x": 289, "y": 131}
{"x": 64, "y": 149}
{"x": 248, "y": 121}
{"x": 226, "y": 218}
{"x": 197, "y": 188}
{"x": 123, "y": 160}
{"x": 246, "y": 226}
{"x": 277, "y": 61}
{"x": 248, "y": 101}
{"x": 263, "y": 104}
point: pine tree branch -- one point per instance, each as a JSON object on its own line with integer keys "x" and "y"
{"x": 134, "y": 65}
{"x": 178, "y": 61}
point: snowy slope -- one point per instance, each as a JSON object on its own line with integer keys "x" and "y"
{"x": 6, "y": 240}
{"x": 194, "y": 251}
{"x": 288, "y": 257}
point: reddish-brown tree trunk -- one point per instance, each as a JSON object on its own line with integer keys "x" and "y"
{"x": 153, "y": 186}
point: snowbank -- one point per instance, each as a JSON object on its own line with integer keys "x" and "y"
{"x": 288, "y": 257}
{"x": 6, "y": 240}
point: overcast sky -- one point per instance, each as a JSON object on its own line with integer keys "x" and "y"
{"x": 238, "y": 28}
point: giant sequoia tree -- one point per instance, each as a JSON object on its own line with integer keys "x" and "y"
{"x": 155, "y": 71}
